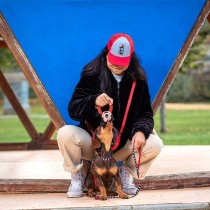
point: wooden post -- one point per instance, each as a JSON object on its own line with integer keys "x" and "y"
{"x": 162, "y": 117}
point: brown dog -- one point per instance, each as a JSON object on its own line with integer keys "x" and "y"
{"x": 104, "y": 166}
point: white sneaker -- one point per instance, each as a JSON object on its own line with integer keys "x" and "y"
{"x": 77, "y": 184}
{"x": 127, "y": 181}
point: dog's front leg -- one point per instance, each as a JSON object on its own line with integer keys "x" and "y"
{"x": 119, "y": 186}
{"x": 102, "y": 189}
{"x": 90, "y": 185}
{"x": 115, "y": 173}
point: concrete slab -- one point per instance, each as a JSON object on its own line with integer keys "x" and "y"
{"x": 159, "y": 199}
{"x": 47, "y": 164}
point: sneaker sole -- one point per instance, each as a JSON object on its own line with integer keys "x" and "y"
{"x": 74, "y": 195}
{"x": 129, "y": 192}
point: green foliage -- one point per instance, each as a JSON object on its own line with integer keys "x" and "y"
{"x": 197, "y": 53}
{"x": 192, "y": 83}
{"x": 32, "y": 93}
{"x": 205, "y": 85}
{"x": 195, "y": 56}
{"x": 194, "y": 86}
{"x": 179, "y": 90}
{"x": 7, "y": 61}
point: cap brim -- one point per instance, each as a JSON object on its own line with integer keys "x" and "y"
{"x": 120, "y": 61}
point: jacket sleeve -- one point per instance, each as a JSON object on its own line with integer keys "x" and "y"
{"x": 144, "y": 121}
{"x": 82, "y": 103}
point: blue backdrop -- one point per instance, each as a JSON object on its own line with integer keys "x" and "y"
{"x": 60, "y": 36}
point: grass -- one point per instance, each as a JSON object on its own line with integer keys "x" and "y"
{"x": 184, "y": 127}
{"x": 12, "y": 130}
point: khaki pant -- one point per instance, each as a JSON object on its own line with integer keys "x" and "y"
{"x": 75, "y": 145}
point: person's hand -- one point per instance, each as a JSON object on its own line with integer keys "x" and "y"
{"x": 138, "y": 140}
{"x": 103, "y": 100}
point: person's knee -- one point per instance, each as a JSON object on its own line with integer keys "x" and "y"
{"x": 65, "y": 133}
{"x": 155, "y": 144}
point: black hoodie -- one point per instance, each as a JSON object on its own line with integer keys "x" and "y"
{"x": 140, "y": 116}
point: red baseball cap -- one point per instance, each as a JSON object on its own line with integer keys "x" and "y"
{"x": 120, "y": 47}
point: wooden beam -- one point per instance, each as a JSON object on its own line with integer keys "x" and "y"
{"x": 208, "y": 18}
{"x": 3, "y": 44}
{"x": 13, "y": 146}
{"x": 50, "y": 130}
{"x": 17, "y": 107}
{"x": 174, "y": 181}
{"x": 52, "y": 144}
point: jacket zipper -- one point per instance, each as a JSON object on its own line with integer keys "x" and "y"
{"x": 118, "y": 97}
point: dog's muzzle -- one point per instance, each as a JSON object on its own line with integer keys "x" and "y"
{"x": 106, "y": 117}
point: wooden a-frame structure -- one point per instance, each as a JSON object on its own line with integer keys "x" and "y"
{"x": 40, "y": 141}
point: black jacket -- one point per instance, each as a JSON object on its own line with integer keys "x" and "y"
{"x": 140, "y": 116}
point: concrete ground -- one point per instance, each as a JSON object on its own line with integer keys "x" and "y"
{"x": 47, "y": 164}
{"x": 162, "y": 198}
{"x": 41, "y": 164}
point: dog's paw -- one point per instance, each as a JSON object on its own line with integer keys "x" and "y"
{"x": 123, "y": 195}
{"x": 91, "y": 194}
{"x": 102, "y": 197}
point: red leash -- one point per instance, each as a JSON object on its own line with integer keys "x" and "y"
{"x": 125, "y": 116}
{"x": 121, "y": 130}
{"x": 117, "y": 142}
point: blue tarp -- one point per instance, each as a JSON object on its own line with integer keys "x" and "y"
{"x": 60, "y": 36}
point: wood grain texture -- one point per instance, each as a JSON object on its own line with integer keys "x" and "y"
{"x": 173, "y": 181}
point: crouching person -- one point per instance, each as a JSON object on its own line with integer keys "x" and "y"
{"x": 107, "y": 80}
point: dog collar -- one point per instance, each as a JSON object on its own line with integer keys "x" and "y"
{"x": 105, "y": 159}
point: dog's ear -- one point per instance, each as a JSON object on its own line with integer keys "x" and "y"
{"x": 96, "y": 143}
{"x": 116, "y": 133}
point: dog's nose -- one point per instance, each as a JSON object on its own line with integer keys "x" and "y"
{"x": 107, "y": 115}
